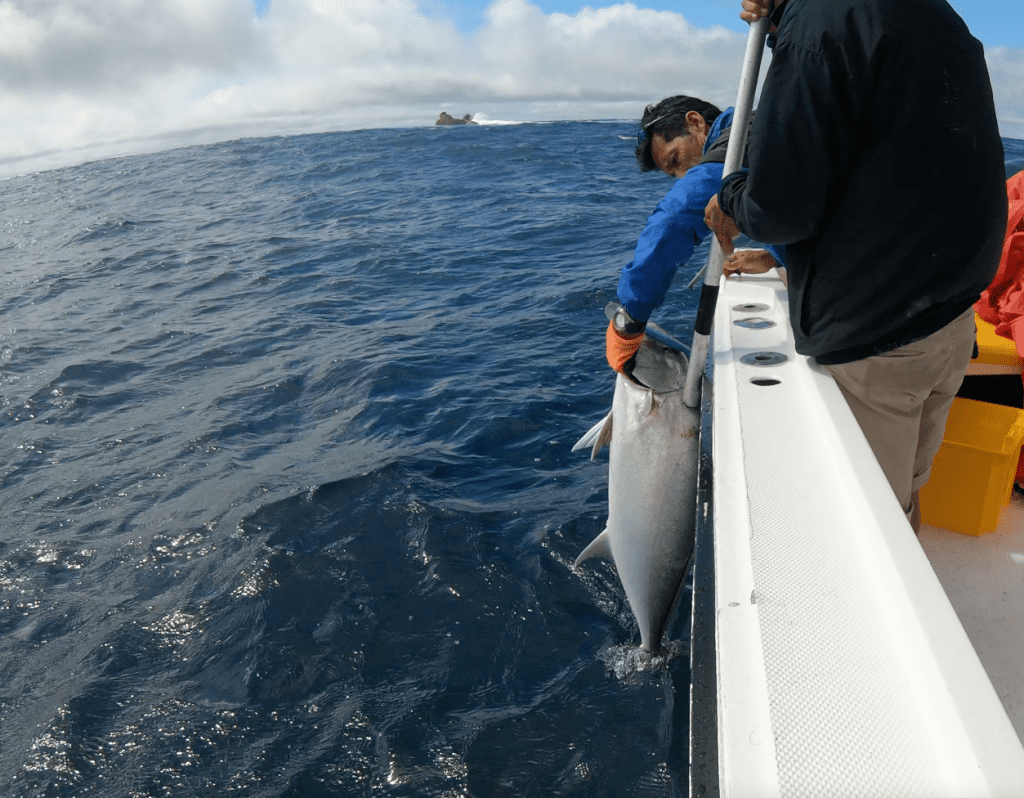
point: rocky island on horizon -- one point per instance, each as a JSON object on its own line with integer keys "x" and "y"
{"x": 448, "y": 119}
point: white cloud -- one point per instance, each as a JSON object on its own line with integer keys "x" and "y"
{"x": 81, "y": 78}
{"x": 92, "y": 48}
{"x": 613, "y": 54}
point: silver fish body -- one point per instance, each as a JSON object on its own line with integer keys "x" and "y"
{"x": 652, "y": 485}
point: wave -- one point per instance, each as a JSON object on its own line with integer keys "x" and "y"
{"x": 481, "y": 119}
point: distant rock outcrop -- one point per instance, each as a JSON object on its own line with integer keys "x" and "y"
{"x": 448, "y": 119}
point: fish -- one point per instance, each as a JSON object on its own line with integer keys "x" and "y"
{"x": 653, "y": 452}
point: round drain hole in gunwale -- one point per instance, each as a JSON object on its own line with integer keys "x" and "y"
{"x": 764, "y": 382}
{"x": 755, "y": 323}
{"x": 751, "y": 307}
{"x": 764, "y": 359}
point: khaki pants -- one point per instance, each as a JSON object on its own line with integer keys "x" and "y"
{"x": 901, "y": 400}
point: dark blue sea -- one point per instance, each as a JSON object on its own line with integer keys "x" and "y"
{"x": 288, "y": 502}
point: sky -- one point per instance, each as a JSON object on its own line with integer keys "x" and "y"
{"x": 86, "y": 79}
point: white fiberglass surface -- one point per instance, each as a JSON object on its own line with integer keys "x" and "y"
{"x": 843, "y": 669}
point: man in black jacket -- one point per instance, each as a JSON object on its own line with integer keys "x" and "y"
{"x": 875, "y": 158}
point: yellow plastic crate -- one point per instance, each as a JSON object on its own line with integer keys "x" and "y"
{"x": 972, "y": 475}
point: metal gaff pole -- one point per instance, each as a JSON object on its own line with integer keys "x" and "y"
{"x": 733, "y": 158}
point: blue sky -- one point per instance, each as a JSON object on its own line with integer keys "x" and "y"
{"x": 84, "y": 79}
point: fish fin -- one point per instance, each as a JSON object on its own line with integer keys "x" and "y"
{"x": 604, "y": 437}
{"x": 599, "y": 547}
{"x": 597, "y": 436}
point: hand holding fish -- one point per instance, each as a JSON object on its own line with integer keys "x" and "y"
{"x": 620, "y": 348}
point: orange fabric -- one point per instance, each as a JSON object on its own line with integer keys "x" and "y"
{"x": 619, "y": 348}
{"x": 1002, "y": 303}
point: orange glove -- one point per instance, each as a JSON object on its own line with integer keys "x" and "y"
{"x": 620, "y": 348}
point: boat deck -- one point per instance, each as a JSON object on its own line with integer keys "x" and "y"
{"x": 843, "y": 668}
{"x": 984, "y": 580}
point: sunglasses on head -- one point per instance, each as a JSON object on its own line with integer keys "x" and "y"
{"x": 642, "y": 134}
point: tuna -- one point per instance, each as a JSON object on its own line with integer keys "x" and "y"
{"x": 652, "y": 485}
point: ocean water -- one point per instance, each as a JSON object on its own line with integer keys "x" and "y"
{"x": 288, "y": 502}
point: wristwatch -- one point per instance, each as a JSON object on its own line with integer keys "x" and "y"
{"x": 626, "y": 324}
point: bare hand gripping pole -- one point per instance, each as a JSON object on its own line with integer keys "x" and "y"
{"x": 733, "y": 159}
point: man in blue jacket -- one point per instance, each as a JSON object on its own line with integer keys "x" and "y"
{"x": 888, "y": 191}
{"x": 685, "y": 138}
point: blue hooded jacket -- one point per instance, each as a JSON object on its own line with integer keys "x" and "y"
{"x": 672, "y": 232}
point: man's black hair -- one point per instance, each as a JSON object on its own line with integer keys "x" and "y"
{"x": 668, "y": 119}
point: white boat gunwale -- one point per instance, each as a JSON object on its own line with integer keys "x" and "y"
{"x": 962, "y": 731}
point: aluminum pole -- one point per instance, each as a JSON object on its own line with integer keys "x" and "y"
{"x": 733, "y": 159}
